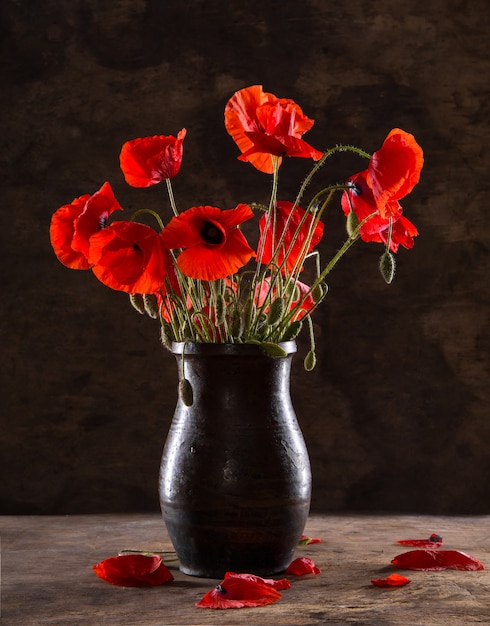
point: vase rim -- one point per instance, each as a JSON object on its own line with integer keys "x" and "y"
{"x": 190, "y": 347}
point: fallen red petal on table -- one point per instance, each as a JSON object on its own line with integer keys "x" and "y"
{"x": 393, "y": 580}
{"x": 302, "y": 567}
{"x": 428, "y": 560}
{"x": 237, "y": 592}
{"x": 305, "y": 540}
{"x": 133, "y": 570}
{"x": 434, "y": 541}
{"x": 283, "y": 583}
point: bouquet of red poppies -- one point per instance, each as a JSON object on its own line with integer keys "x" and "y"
{"x": 196, "y": 272}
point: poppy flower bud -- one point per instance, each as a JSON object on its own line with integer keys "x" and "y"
{"x": 185, "y": 392}
{"x": 351, "y": 223}
{"x": 292, "y": 331}
{"x": 136, "y": 300}
{"x": 151, "y": 305}
{"x": 237, "y": 325}
{"x": 220, "y": 309}
{"x": 276, "y": 312}
{"x": 387, "y": 266}
{"x": 310, "y": 361}
{"x": 319, "y": 292}
{"x": 166, "y": 336}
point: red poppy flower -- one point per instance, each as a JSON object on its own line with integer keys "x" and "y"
{"x": 273, "y": 228}
{"x": 434, "y": 560}
{"x": 262, "y": 125}
{"x": 213, "y": 245}
{"x": 393, "y": 580}
{"x": 360, "y": 198}
{"x": 73, "y": 224}
{"x": 434, "y": 541}
{"x": 302, "y": 567}
{"x": 237, "y": 592}
{"x": 147, "y": 161}
{"x": 394, "y": 169}
{"x": 133, "y": 570}
{"x": 130, "y": 257}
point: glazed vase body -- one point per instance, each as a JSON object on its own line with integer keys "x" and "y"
{"x": 235, "y": 479}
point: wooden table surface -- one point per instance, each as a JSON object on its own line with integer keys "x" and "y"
{"x": 47, "y": 576}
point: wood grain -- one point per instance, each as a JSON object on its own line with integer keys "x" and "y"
{"x": 47, "y": 575}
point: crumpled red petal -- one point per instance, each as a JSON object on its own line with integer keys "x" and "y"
{"x": 302, "y": 567}
{"x": 434, "y": 541}
{"x": 133, "y": 570}
{"x": 433, "y": 560}
{"x": 305, "y": 540}
{"x": 282, "y": 583}
{"x": 393, "y": 580}
{"x": 239, "y": 591}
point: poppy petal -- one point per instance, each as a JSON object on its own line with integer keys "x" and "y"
{"x": 62, "y": 231}
{"x": 395, "y": 168}
{"x": 302, "y": 567}
{"x": 434, "y": 541}
{"x": 306, "y": 541}
{"x": 133, "y": 570}
{"x": 393, "y": 580}
{"x": 283, "y": 583}
{"x": 434, "y": 560}
{"x": 237, "y": 592}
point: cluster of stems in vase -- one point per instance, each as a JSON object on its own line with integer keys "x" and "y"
{"x": 196, "y": 272}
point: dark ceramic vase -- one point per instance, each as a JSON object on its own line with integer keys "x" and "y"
{"x": 235, "y": 479}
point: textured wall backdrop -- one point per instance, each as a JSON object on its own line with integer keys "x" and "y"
{"x": 396, "y": 414}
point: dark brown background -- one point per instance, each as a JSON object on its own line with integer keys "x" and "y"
{"x": 396, "y": 414}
